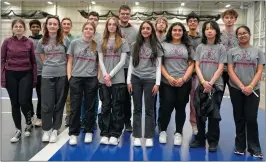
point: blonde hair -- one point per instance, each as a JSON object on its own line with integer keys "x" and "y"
{"x": 106, "y": 35}
{"x": 93, "y": 42}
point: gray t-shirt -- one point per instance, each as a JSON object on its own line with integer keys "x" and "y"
{"x": 195, "y": 41}
{"x": 111, "y": 59}
{"x": 175, "y": 60}
{"x": 55, "y": 57}
{"x": 245, "y": 61}
{"x": 146, "y": 69}
{"x": 37, "y": 56}
{"x": 229, "y": 41}
{"x": 130, "y": 34}
{"x": 210, "y": 56}
{"x": 84, "y": 60}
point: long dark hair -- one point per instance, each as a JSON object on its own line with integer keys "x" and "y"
{"x": 184, "y": 39}
{"x": 216, "y": 27}
{"x": 154, "y": 42}
{"x": 59, "y": 35}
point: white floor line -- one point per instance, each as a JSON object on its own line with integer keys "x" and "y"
{"x": 49, "y": 150}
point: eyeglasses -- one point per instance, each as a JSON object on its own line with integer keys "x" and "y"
{"x": 241, "y": 34}
{"x": 125, "y": 14}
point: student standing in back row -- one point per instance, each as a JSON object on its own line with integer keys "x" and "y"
{"x": 144, "y": 76}
{"x": 210, "y": 58}
{"x": 82, "y": 68}
{"x": 35, "y": 27}
{"x": 129, "y": 32}
{"x": 112, "y": 57}
{"x": 19, "y": 75}
{"x": 195, "y": 39}
{"x": 245, "y": 67}
{"x": 52, "y": 48}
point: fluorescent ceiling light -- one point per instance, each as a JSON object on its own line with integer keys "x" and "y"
{"x": 7, "y": 3}
{"x": 49, "y": 2}
{"x": 136, "y": 3}
{"x": 228, "y": 5}
{"x": 183, "y": 4}
{"x": 93, "y": 2}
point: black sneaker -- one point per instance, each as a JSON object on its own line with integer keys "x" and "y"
{"x": 258, "y": 155}
{"x": 28, "y": 130}
{"x": 16, "y": 137}
{"x": 67, "y": 120}
{"x": 128, "y": 127}
{"x": 196, "y": 143}
{"x": 212, "y": 148}
{"x": 239, "y": 152}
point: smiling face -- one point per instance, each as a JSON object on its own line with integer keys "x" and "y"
{"x": 243, "y": 36}
{"x": 192, "y": 23}
{"x": 52, "y": 25}
{"x": 177, "y": 32}
{"x": 124, "y": 15}
{"x": 88, "y": 31}
{"x": 66, "y": 25}
{"x": 146, "y": 30}
{"x": 18, "y": 28}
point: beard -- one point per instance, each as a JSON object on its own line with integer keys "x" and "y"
{"x": 160, "y": 30}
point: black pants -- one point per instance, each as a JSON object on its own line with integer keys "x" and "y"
{"x": 245, "y": 110}
{"x": 225, "y": 77}
{"x": 54, "y": 93}
{"x": 139, "y": 86}
{"x": 38, "y": 91}
{"x": 213, "y": 122}
{"x": 19, "y": 85}
{"x": 174, "y": 97}
{"x": 80, "y": 86}
{"x": 112, "y": 115}
{"x": 127, "y": 104}
{"x": 155, "y": 109}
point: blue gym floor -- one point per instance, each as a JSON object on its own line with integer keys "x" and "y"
{"x": 167, "y": 152}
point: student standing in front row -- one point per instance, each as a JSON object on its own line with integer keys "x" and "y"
{"x": 52, "y": 48}
{"x": 112, "y": 57}
{"x": 177, "y": 68}
{"x": 82, "y": 75}
{"x": 245, "y": 67}
{"x": 210, "y": 58}
{"x": 19, "y": 75}
{"x": 144, "y": 75}
{"x": 35, "y": 28}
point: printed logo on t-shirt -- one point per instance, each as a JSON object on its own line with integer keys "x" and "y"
{"x": 53, "y": 51}
{"x": 145, "y": 53}
{"x": 86, "y": 55}
{"x": 209, "y": 56}
{"x": 110, "y": 52}
{"x": 243, "y": 58}
{"x": 176, "y": 53}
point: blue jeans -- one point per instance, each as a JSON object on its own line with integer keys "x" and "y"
{"x": 82, "y": 116}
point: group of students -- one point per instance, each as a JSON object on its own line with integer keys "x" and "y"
{"x": 124, "y": 62}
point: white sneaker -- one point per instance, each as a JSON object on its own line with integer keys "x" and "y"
{"x": 137, "y": 142}
{"x": 113, "y": 141}
{"x": 53, "y": 137}
{"x": 177, "y": 139}
{"x": 28, "y": 130}
{"x": 16, "y": 137}
{"x": 73, "y": 140}
{"x": 194, "y": 129}
{"x": 163, "y": 137}
{"x": 88, "y": 138}
{"x": 46, "y": 136}
{"x": 104, "y": 140}
{"x": 38, "y": 122}
{"x": 149, "y": 142}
